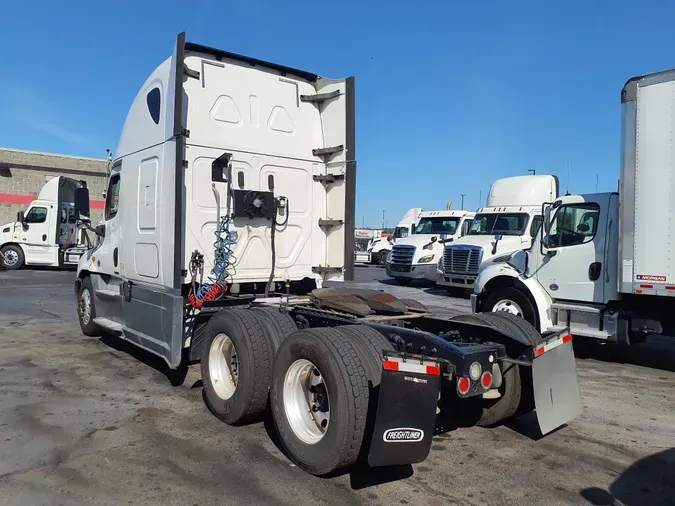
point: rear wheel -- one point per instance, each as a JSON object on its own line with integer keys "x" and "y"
{"x": 12, "y": 257}
{"x": 382, "y": 257}
{"x": 498, "y": 410}
{"x": 403, "y": 281}
{"x": 319, "y": 399}
{"x": 236, "y": 364}
{"x": 279, "y": 324}
{"x": 512, "y": 301}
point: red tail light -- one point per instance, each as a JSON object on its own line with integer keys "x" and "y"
{"x": 486, "y": 380}
{"x": 463, "y": 385}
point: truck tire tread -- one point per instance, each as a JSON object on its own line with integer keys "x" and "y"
{"x": 332, "y": 347}
{"x": 255, "y": 353}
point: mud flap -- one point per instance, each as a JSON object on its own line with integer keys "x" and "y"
{"x": 406, "y": 418}
{"x": 556, "y": 389}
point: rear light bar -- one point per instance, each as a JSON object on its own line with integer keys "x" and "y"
{"x": 418, "y": 367}
{"x": 543, "y": 348}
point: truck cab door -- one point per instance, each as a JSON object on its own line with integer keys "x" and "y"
{"x": 106, "y": 277}
{"x": 572, "y": 253}
{"x": 37, "y": 233}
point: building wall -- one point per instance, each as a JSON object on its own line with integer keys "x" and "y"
{"x": 24, "y": 173}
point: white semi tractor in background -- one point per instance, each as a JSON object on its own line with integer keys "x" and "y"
{"x": 603, "y": 264}
{"x": 508, "y": 222}
{"x": 236, "y": 176}
{"x": 46, "y": 233}
{"x": 416, "y": 256}
{"x": 380, "y": 248}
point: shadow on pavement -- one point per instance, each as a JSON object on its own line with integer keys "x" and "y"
{"x": 360, "y": 476}
{"x": 650, "y": 481}
{"x": 657, "y": 352}
{"x": 175, "y": 377}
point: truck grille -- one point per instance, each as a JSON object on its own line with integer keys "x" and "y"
{"x": 402, "y": 254}
{"x": 461, "y": 259}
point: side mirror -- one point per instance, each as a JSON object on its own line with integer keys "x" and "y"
{"x": 100, "y": 230}
{"x": 498, "y": 237}
{"x": 518, "y": 260}
{"x": 81, "y": 203}
{"x": 390, "y": 239}
{"x": 547, "y": 220}
{"x": 20, "y": 217}
{"x": 444, "y": 237}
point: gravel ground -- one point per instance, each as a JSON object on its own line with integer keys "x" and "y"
{"x": 94, "y": 421}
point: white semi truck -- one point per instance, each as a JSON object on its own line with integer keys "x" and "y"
{"x": 416, "y": 256}
{"x": 602, "y": 265}
{"x": 511, "y": 218}
{"x": 380, "y": 248}
{"x": 46, "y": 233}
{"x": 236, "y": 176}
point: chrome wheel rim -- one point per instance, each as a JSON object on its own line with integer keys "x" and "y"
{"x": 11, "y": 258}
{"x": 508, "y": 306}
{"x": 306, "y": 401}
{"x": 223, "y": 366}
{"x": 84, "y": 306}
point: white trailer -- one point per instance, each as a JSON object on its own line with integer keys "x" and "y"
{"x": 46, "y": 233}
{"x": 416, "y": 256}
{"x": 508, "y": 222}
{"x": 602, "y": 265}
{"x": 246, "y": 169}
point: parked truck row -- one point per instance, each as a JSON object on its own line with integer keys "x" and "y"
{"x": 230, "y": 205}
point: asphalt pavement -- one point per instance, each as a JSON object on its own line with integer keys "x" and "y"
{"x": 96, "y": 421}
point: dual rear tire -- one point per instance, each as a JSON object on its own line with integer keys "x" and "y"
{"x": 320, "y": 383}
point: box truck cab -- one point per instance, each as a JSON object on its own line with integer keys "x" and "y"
{"x": 380, "y": 248}
{"x": 601, "y": 265}
{"x": 416, "y": 256}
{"x": 508, "y": 222}
{"x": 46, "y": 233}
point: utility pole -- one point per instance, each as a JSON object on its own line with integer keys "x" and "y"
{"x": 597, "y": 181}
{"x": 363, "y": 222}
{"x": 480, "y": 198}
{"x": 383, "y": 210}
{"x": 463, "y": 195}
{"x": 533, "y": 171}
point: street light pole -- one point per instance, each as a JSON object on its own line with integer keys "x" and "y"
{"x": 533, "y": 171}
{"x": 463, "y": 195}
{"x": 383, "y": 218}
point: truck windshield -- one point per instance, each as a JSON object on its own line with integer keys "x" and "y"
{"x": 499, "y": 223}
{"x": 400, "y": 232}
{"x": 437, "y": 225}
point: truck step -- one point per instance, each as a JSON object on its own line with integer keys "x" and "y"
{"x": 576, "y": 307}
{"x": 583, "y": 332}
{"x": 109, "y": 325}
{"x": 109, "y": 294}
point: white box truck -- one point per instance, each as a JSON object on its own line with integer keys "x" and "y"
{"x": 602, "y": 265}
{"x": 416, "y": 256}
{"x": 508, "y": 222}
{"x": 380, "y": 248}
{"x": 246, "y": 169}
{"x": 46, "y": 233}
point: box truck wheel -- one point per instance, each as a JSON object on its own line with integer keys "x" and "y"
{"x": 12, "y": 257}
{"x": 381, "y": 257}
{"x": 86, "y": 310}
{"x": 511, "y": 300}
{"x": 319, "y": 399}
{"x": 236, "y": 364}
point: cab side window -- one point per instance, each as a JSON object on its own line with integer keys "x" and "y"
{"x": 37, "y": 215}
{"x": 536, "y": 225}
{"x": 574, "y": 224}
{"x": 112, "y": 201}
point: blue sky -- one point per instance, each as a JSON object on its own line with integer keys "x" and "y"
{"x": 449, "y": 95}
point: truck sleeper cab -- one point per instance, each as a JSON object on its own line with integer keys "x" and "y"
{"x": 416, "y": 256}
{"x": 509, "y": 221}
